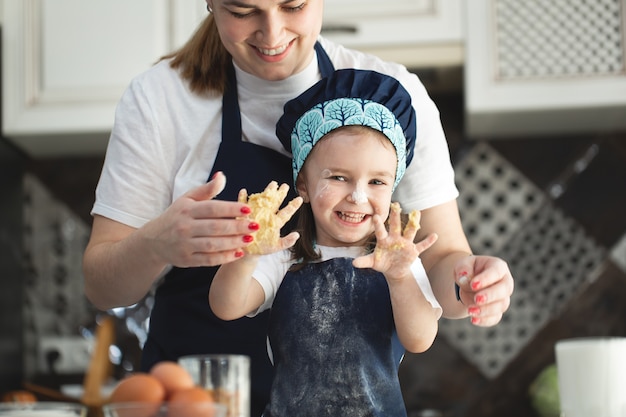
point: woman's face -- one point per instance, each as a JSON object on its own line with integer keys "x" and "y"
{"x": 347, "y": 178}
{"x": 271, "y": 39}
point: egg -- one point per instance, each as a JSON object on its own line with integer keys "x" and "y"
{"x": 172, "y": 376}
{"x": 191, "y": 402}
{"x": 138, "y": 387}
{"x": 19, "y": 397}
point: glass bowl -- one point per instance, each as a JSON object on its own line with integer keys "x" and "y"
{"x": 194, "y": 409}
{"x": 43, "y": 409}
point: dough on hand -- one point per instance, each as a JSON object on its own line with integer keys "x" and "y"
{"x": 264, "y": 210}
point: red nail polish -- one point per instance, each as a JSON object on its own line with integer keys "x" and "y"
{"x": 246, "y": 210}
{"x": 472, "y": 311}
{"x": 481, "y": 299}
{"x": 248, "y": 238}
{"x": 253, "y": 226}
{"x": 239, "y": 254}
{"x": 475, "y": 285}
{"x": 475, "y": 320}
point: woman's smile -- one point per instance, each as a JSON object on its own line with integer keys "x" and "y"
{"x": 273, "y": 51}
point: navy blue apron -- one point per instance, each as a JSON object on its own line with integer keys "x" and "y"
{"x": 181, "y": 321}
{"x": 332, "y": 334}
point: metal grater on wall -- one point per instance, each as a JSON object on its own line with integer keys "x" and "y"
{"x": 550, "y": 256}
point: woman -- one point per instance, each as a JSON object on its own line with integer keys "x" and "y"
{"x": 195, "y": 114}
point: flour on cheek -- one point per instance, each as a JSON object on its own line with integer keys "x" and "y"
{"x": 322, "y": 185}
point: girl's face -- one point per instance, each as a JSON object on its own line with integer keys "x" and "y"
{"x": 271, "y": 39}
{"x": 348, "y": 177}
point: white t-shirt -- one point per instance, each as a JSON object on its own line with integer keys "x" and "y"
{"x": 165, "y": 138}
{"x": 271, "y": 270}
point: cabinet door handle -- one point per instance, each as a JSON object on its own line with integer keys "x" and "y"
{"x": 339, "y": 29}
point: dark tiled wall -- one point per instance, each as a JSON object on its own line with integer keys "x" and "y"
{"x": 11, "y": 274}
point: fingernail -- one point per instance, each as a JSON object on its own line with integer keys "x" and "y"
{"x": 253, "y": 226}
{"x": 475, "y": 285}
{"x": 248, "y": 238}
{"x": 215, "y": 175}
{"x": 473, "y": 311}
{"x": 239, "y": 254}
{"x": 475, "y": 320}
{"x": 481, "y": 299}
{"x": 463, "y": 278}
{"x": 245, "y": 210}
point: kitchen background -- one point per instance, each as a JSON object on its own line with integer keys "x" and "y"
{"x": 536, "y": 132}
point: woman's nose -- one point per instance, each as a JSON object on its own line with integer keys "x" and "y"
{"x": 271, "y": 29}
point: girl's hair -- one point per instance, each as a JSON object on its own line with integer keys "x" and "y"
{"x": 203, "y": 60}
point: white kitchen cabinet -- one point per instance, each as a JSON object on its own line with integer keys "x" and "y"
{"x": 67, "y": 62}
{"x": 543, "y": 67}
{"x": 416, "y": 33}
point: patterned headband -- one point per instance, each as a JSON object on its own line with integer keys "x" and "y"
{"x": 349, "y": 98}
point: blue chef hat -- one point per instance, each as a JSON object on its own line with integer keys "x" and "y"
{"x": 349, "y": 97}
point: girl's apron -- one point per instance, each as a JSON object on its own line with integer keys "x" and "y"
{"x": 181, "y": 321}
{"x": 333, "y": 342}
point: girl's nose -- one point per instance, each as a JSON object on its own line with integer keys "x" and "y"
{"x": 358, "y": 196}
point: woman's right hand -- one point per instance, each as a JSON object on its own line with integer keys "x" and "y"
{"x": 121, "y": 263}
{"x": 197, "y": 230}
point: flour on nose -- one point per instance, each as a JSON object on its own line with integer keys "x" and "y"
{"x": 359, "y": 196}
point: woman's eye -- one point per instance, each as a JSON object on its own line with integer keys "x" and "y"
{"x": 241, "y": 13}
{"x": 296, "y": 8}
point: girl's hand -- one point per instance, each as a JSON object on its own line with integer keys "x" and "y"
{"x": 265, "y": 212}
{"x": 395, "y": 250}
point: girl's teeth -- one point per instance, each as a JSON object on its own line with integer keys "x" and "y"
{"x": 272, "y": 52}
{"x": 352, "y": 217}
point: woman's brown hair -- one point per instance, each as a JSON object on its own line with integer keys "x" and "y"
{"x": 203, "y": 60}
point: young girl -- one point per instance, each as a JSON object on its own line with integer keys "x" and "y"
{"x": 339, "y": 307}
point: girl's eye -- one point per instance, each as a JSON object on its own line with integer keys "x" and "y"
{"x": 377, "y": 182}
{"x": 338, "y": 178}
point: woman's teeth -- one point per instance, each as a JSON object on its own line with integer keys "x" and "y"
{"x": 272, "y": 52}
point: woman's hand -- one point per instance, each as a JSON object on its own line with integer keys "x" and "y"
{"x": 121, "y": 263}
{"x": 395, "y": 250}
{"x": 197, "y": 230}
{"x": 486, "y": 286}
